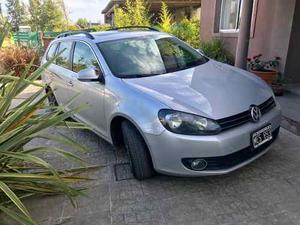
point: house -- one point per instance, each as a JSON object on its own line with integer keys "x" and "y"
{"x": 267, "y": 27}
{"x": 180, "y": 9}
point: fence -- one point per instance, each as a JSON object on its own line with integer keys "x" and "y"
{"x": 29, "y": 38}
{"x": 34, "y": 38}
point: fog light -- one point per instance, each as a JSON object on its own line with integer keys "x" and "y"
{"x": 198, "y": 164}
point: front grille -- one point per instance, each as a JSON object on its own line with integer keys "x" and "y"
{"x": 234, "y": 159}
{"x": 245, "y": 117}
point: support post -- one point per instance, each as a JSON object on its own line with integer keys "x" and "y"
{"x": 244, "y": 35}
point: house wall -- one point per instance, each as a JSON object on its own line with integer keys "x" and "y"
{"x": 271, "y": 28}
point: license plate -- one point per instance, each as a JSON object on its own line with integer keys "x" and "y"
{"x": 262, "y": 136}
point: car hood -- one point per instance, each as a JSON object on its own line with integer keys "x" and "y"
{"x": 213, "y": 90}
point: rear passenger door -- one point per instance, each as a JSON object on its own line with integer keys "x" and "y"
{"x": 61, "y": 73}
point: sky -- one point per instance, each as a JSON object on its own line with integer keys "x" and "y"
{"x": 89, "y": 9}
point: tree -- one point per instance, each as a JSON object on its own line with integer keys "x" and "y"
{"x": 134, "y": 13}
{"x": 82, "y": 23}
{"x": 47, "y": 15}
{"x": 165, "y": 18}
{"x": 35, "y": 14}
{"x": 15, "y": 13}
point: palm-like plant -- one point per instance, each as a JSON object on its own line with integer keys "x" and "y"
{"x": 22, "y": 172}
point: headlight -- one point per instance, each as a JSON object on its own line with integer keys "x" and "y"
{"x": 188, "y": 124}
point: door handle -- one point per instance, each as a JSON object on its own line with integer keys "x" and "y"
{"x": 70, "y": 83}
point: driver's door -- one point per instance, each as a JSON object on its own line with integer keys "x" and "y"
{"x": 89, "y": 94}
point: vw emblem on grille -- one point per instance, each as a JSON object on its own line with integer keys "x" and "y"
{"x": 255, "y": 113}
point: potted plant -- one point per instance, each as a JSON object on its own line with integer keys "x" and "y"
{"x": 267, "y": 70}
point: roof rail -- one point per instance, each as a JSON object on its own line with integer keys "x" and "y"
{"x": 70, "y": 33}
{"x": 132, "y": 27}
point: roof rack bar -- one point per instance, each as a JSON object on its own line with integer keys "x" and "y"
{"x": 70, "y": 33}
{"x": 130, "y": 27}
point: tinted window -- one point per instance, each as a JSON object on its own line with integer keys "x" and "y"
{"x": 51, "y": 51}
{"x": 148, "y": 56}
{"x": 84, "y": 58}
{"x": 64, "y": 58}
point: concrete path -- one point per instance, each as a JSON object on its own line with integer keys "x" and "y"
{"x": 290, "y": 105}
{"x": 266, "y": 192}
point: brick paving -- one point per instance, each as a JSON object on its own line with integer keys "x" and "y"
{"x": 265, "y": 192}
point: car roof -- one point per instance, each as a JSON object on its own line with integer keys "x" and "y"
{"x": 104, "y": 36}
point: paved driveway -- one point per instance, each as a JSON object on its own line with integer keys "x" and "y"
{"x": 265, "y": 192}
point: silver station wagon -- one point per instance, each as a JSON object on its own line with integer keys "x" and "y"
{"x": 176, "y": 111}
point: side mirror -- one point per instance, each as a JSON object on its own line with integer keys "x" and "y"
{"x": 88, "y": 74}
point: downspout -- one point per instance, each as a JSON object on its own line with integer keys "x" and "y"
{"x": 244, "y": 35}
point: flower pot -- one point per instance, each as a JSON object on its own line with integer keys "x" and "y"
{"x": 268, "y": 76}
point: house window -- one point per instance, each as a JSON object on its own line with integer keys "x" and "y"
{"x": 230, "y": 15}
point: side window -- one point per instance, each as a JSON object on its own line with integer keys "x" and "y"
{"x": 84, "y": 58}
{"x": 64, "y": 58}
{"x": 51, "y": 51}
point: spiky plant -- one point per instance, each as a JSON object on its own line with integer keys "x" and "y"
{"x": 22, "y": 172}
{"x": 165, "y": 18}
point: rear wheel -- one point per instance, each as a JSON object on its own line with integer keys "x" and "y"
{"x": 141, "y": 163}
{"x": 51, "y": 98}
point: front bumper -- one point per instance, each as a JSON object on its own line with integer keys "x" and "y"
{"x": 229, "y": 149}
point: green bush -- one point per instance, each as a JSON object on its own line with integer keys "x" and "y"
{"x": 214, "y": 49}
{"x": 23, "y": 173}
{"x": 165, "y": 18}
{"x": 188, "y": 30}
{"x": 134, "y": 13}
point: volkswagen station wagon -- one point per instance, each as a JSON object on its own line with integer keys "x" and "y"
{"x": 175, "y": 111}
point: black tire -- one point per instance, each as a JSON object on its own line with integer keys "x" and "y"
{"x": 141, "y": 163}
{"x": 51, "y": 98}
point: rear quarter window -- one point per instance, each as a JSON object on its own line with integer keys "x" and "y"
{"x": 64, "y": 51}
{"x": 51, "y": 52}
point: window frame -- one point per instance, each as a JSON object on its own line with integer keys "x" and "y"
{"x": 92, "y": 50}
{"x": 239, "y": 10}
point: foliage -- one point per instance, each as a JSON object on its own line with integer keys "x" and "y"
{"x": 103, "y": 27}
{"x": 82, "y": 23}
{"x": 188, "y": 30}
{"x": 22, "y": 172}
{"x": 46, "y": 15}
{"x": 134, "y": 13}
{"x": 165, "y": 18}
{"x": 16, "y": 13}
{"x": 257, "y": 64}
{"x": 215, "y": 49}
{"x": 15, "y": 58}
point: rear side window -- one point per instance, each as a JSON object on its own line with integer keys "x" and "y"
{"x": 84, "y": 58}
{"x": 51, "y": 51}
{"x": 64, "y": 51}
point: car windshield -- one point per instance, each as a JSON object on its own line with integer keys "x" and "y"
{"x": 149, "y": 56}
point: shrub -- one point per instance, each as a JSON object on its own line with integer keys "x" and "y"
{"x": 134, "y": 13}
{"x": 102, "y": 27}
{"x": 22, "y": 173}
{"x": 165, "y": 19}
{"x": 188, "y": 30}
{"x": 15, "y": 58}
{"x": 215, "y": 49}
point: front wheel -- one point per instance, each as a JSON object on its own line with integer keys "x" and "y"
{"x": 140, "y": 158}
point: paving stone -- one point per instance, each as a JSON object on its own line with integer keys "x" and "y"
{"x": 265, "y": 192}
